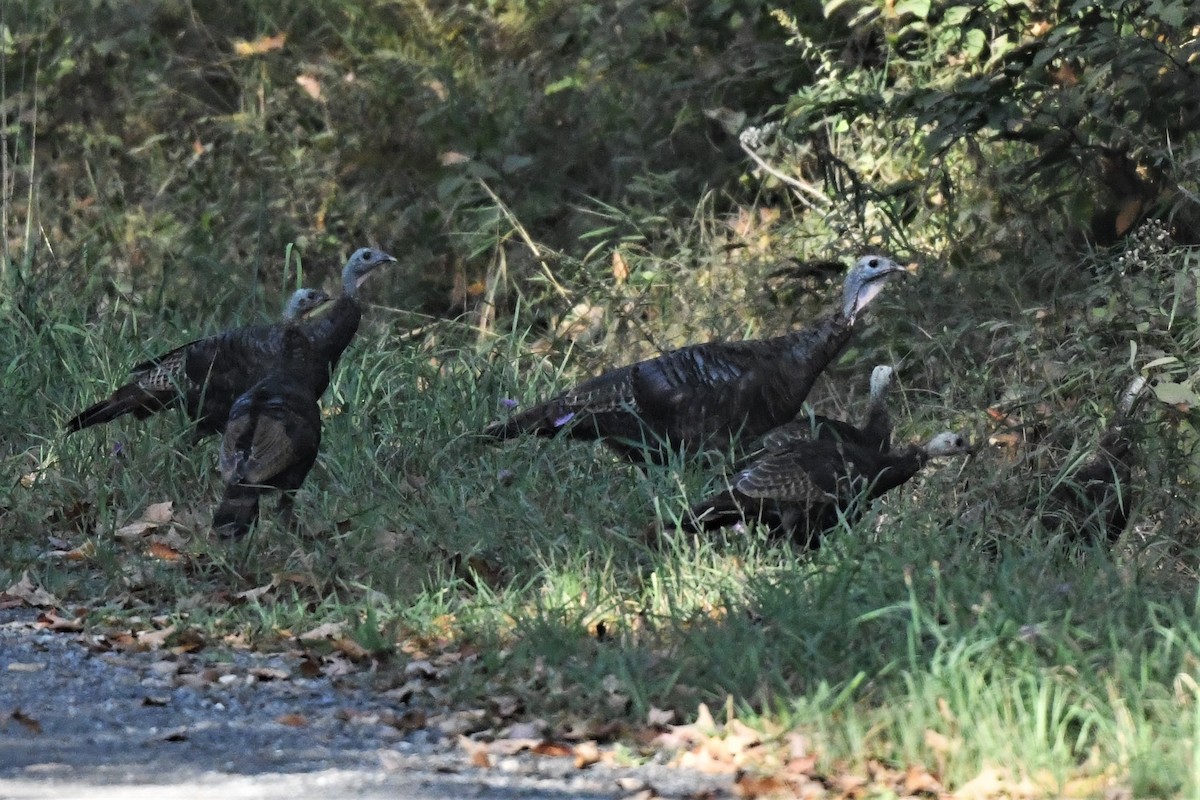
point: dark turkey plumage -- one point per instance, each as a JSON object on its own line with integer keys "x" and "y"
{"x": 804, "y": 488}
{"x": 1093, "y": 501}
{"x": 331, "y": 332}
{"x": 271, "y": 442}
{"x": 704, "y": 395}
{"x": 205, "y": 375}
{"x": 874, "y": 434}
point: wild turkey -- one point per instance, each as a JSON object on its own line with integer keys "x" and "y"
{"x": 1093, "y": 501}
{"x": 875, "y": 433}
{"x": 332, "y": 332}
{"x": 271, "y": 442}
{"x": 704, "y": 395}
{"x": 206, "y": 375}
{"x": 801, "y": 489}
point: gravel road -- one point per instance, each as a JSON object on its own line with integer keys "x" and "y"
{"x": 77, "y": 723}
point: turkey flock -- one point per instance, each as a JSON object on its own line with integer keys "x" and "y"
{"x": 800, "y": 475}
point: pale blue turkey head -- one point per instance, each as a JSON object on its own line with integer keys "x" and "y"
{"x": 362, "y": 263}
{"x": 865, "y": 281}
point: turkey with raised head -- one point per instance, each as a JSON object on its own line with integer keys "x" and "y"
{"x": 332, "y": 331}
{"x": 875, "y": 433}
{"x": 802, "y": 489}
{"x": 204, "y": 375}
{"x": 271, "y": 442}
{"x": 1094, "y": 500}
{"x": 705, "y": 395}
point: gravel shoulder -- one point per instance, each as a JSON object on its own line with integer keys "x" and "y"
{"x": 80, "y": 723}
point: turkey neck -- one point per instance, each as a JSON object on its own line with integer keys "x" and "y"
{"x": 897, "y": 468}
{"x": 801, "y": 357}
{"x": 333, "y": 332}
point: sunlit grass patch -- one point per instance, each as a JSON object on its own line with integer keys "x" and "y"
{"x": 903, "y": 638}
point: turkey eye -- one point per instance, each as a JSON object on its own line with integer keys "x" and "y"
{"x": 366, "y": 257}
{"x": 873, "y": 263}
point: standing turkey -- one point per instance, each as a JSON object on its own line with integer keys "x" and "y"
{"x": 205, "y": 375}
{"x": 704, "y": 395}
{"x": 271, "y": 442}
{"x": 875, "y": 433}
{"x": 802, "y": 489}
{"x": 1093, "y": 501}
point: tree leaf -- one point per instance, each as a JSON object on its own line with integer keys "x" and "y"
{"x": 918, "y": 8}
{"x": 1173, "y": 393}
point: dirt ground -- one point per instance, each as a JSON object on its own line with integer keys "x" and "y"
{"x": 82, "y": 722}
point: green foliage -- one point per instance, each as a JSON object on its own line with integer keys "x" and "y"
{"x": 1087, "y": 109}
{"x": 554, "y": 161}
{"x": 161, "y": 155}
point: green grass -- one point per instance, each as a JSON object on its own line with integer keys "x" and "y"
{"x": 944, "y": 629}
{"x": 1066, "y": 660}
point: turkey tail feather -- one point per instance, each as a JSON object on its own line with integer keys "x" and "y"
{"x": 130, "y": 399}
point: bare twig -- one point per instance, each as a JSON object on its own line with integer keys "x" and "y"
{"x": 525, "y": 237}
{"x": 818, "y": 201}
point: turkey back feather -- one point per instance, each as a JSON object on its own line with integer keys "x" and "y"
{"x": 811, "y": 484}
{"x": 204, "y": 375}
{"x": 706, "y": 395}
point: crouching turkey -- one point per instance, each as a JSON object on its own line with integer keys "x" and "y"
{"x": 804, "y": 488}
{"x": 1092, "y": 500}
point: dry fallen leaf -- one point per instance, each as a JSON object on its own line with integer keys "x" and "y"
{"x": 30, "y": 724}
{"x": 328, "y": 630}
{"x": 552, "y": 749}
{"x": 254, "y": 594}
{"x": 29, "y": 593}
{"x": 163, "y": 552}
{"x": 50, "y": 621}
{"x": 450, "y": 158}
{"x": 1010, "y": 439}
{"x": 352, "y": 649}
{"x": 263, "y": 44}
{"x": 658, "y": 718}
{"x": 292, "y": 720}
{"x": 84, "y": 552}
{"x": 310, "y": 85}
{"x": 752, "y": 786}
{"x": 159, "y": 513}
{"x": 997, "y": 782}
{"x": 586, "y": 754}
{"x": 620, "y": 269}
{"x": 917, "y": 779}
{"x": 511, "y": 746}
{"x": 153, "y": 640}
{"x": 269, "y": 674}
{"x": 477, "y": 752}
{"x": 135, "y": 530}
{"x": 334, "y": 665}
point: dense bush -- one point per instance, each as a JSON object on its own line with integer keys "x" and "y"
{"x": 156, "y": 146}
{"x": 954, "y": 118}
